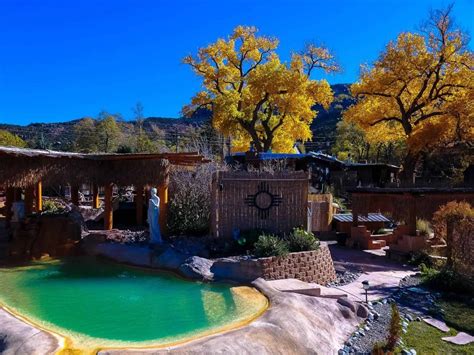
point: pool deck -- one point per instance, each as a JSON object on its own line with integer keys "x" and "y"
{"x": 19, "y": 337}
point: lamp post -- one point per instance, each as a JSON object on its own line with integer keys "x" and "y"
{"x": 365, "y": 285}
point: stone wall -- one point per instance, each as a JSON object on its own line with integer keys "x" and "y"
{"x": 310, "y": 266}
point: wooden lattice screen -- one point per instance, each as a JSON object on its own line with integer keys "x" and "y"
{"x": 272, "y": 202}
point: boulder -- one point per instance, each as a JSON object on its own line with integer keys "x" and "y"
{"x": 236, "y": 269}
{"x": 346, "y": 312}
{"x": 169, "y": 259}
{"x": 362, "y": 311}
{"x": 347, "y": 303}
{"x": 55, "y": 235}
{"x": 197, "y": 268}
{"x": 128, "y": 254}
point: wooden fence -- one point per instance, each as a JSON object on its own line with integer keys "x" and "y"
{"x": 272, "y": 202}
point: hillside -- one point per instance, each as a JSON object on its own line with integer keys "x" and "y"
{"x": 59, "y": 136}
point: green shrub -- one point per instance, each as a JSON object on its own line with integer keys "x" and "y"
{"x": 424, "y": 227}
{"x": 270, "y": 245}
{"x": 301, "y": 240}
{"x": 248, "y": 238}
{"x": 446, "y": 280}
{"x": 420, "y": 258}
{"x": 52, "y": 207}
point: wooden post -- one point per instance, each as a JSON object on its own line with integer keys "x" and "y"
{"x": 95, "y": 196}
{"x": 29, "y": 199}
{"x": 163, "y": 195}
{"x": 39, "y": 197}
{"x": 139, "y": 204}
{"x": 355, "y": 218}
{"x": 109, "y": 209}
{"x": 16, "y": 194}
{"x": 75, "y": 195}
{"x": 9, "y": 197}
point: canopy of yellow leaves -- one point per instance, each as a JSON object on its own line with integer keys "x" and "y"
{"x": 420, "y": 89}
{"x": 254, "y": 97}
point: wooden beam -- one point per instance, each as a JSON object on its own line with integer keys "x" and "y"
{"x": 29, "y": 199}
{"x": 109, "y": 209}
{"x": 75, "y": 195}
{"x": 139, "y": 204}
{"x": 39, "y": 197}
{"x": 95, "y": 196}
{"x": 163, "y": 195}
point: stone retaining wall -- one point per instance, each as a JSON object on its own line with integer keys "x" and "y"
{"x": 310, "y": 266}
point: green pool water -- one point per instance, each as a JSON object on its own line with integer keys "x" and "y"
{"x": 102, "y": 304}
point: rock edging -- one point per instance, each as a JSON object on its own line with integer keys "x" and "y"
{"x": 309, "y": 266}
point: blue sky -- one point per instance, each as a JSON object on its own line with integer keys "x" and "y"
{"x": 61, "y": 60}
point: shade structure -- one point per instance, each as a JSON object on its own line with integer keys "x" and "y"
{"x": 25, "y": 167}
{"x": 30, "y": 169}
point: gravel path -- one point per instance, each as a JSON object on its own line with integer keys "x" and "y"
{"x": 413, "y": 302}
{"x": 345, "y": 275}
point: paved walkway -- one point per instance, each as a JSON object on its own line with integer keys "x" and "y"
{"x": 383, "y": 274}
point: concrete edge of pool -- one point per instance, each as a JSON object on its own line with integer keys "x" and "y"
{"x": 292, "y": 324}
{"x": 52, "y": 341}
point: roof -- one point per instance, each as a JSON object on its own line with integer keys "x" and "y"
{"x": 24, "y": 167}
{"x": 272, "y": 156}
{"x": 372, "y": 165}
{"x": 326, "y": 158}
{"x": 411, "y": 190}
{"x": 173, "y": 158}
{"x": 371, "y": 217}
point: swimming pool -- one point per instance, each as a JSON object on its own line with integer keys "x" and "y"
{"x": 97, "y": 304}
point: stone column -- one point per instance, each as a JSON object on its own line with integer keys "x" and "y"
{"x": 139, "y": 204}
{"x": 39, "y": 197}
{"x": 109, "y": 209}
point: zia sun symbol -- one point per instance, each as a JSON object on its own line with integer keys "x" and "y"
{"x": 263, "y": 200}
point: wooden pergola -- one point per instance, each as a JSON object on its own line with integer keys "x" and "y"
{"x": 31, "y": 169}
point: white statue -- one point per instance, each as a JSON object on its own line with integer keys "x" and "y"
{"x": 153, "y": 217}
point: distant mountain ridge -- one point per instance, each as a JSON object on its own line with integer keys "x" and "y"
{"x": 60, "y": 135}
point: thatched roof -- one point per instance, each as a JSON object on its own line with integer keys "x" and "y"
{"x": 24, "y": 167}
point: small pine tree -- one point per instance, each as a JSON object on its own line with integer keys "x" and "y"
{"x": 395, "y": 329}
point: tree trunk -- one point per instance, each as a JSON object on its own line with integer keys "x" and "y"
{"x": 407, "y": 175}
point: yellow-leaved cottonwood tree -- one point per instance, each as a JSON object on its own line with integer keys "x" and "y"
{"x": 253, "y": 96}
{"x": 420, "y": 90}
